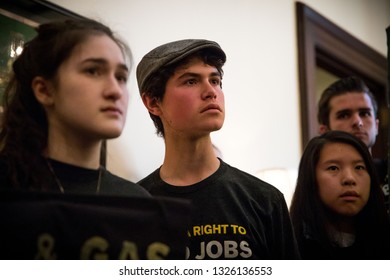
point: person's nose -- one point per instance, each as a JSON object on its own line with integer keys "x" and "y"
{"x": 357, "y": 121}
{"x": 348, "y": 178}
{"x": 209, "y": 91}
{"x": 113, "y": 87}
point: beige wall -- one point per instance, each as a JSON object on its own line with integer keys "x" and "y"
{"x": 262, "y": 127}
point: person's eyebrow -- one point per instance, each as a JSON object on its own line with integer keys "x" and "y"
{"x": 349, "y": 111}
{"x": 197, "y": 75}
{"x": 343, "y": 111}
{"x": 188, "y": 75}
{"x": 103, "y": 61}
{"x": 340, "y": 161}
{"x": 365, "y": 109}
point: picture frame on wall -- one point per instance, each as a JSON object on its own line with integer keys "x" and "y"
{"x": 18, "y": 20}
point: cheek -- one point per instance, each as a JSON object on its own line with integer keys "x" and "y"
{"x": 72, "y": 93}
{"x": 125, "y": 101}
{"x": 326, "y": 190}
{"x": 222, "y": 101}
{"x": 338, "y": 125}
{"x": 327, "y": 195}
{"x": 124, "y": 114}
{"x": 180, "y": 113}
{"x": 178, "y": 108}
{"x": 365, "y": 188}
{"x": 185, "y": 101}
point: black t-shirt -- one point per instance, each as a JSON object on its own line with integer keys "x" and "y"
{"x": 236, "y": 216}
{"x": 78, "y": 180}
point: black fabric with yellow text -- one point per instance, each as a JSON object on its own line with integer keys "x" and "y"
{"x": 64, "y": 226}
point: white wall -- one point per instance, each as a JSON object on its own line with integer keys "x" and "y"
{"x": 262, "y": 127}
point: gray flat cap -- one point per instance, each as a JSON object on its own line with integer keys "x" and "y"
{"x": 170, "y": 53}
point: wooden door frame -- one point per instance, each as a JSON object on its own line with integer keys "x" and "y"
{"x": 323, "y": 43}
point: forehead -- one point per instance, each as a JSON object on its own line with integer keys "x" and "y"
{"x": 338, "y": 151}
{"x": 350, "y": 100}
{"x": 98, "y": 46}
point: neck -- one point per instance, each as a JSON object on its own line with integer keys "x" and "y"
{"x": 188, "y": 162}
{"x": 61, "y": 186}
{"x": 342, "y": 233}
{"x": 73, "y": 151}
{"x": 341, "y": 224}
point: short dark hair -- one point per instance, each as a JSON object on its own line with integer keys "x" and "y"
{"x": 340, "y": 87}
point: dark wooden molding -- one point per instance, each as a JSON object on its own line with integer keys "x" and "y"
{"x": 322, "y": 43}
{"x": 37, "y": 11}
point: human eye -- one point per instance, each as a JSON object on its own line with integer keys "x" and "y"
{"x": 360, "y": 167}
{"x": 343, "y": 115}
{"x": 190, "y": 82}
{"x": 365, "y": 113}
{"x": 332, "y": 168}
{"x": 93, "y": 71}
{"x": 122, "y": 77}
{"x": 216, "y": 81}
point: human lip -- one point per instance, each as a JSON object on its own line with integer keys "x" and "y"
{"x": 112, "y": 109}
{"x": 359, "y": 134}
{"x": 349, "y": 195}
{"x": 211, "y": 107}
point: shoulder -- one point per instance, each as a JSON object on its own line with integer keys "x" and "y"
{"x": 235, "y": 174}
{"x": 119, "y": 186}
{"x": 151, "y": 180}
{"x": 251, "y": 184}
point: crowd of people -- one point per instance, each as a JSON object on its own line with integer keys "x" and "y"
{"x": 68, "y": 94}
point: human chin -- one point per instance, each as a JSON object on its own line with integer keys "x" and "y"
{"x": 216, "y": 125}
{"x": 366, "y": 141}
{"x": 350, "y": 210}
{"x": 113, "y": 131}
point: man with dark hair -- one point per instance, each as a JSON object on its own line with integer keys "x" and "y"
{"x": 348, "y": 105}
{"x": 235, "y": 215}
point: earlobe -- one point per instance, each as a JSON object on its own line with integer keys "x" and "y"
{"x": 323, "y": 128}
{"x": 42, "y": 92}
{"x": 152, "y": 104}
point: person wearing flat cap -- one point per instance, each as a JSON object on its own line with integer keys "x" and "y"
{"x": 235, "y": 215}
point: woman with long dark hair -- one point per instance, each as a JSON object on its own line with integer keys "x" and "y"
{"x": 67, "y": 94}
{"x": 338, "y": 208}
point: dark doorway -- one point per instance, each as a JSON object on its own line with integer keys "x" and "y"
{"x": 325, "y": 47}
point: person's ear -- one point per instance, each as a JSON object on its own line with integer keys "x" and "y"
{"x": 323, "y": 128}
{"x": 152, "y": 104}
{"x": 42, "y": 91}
